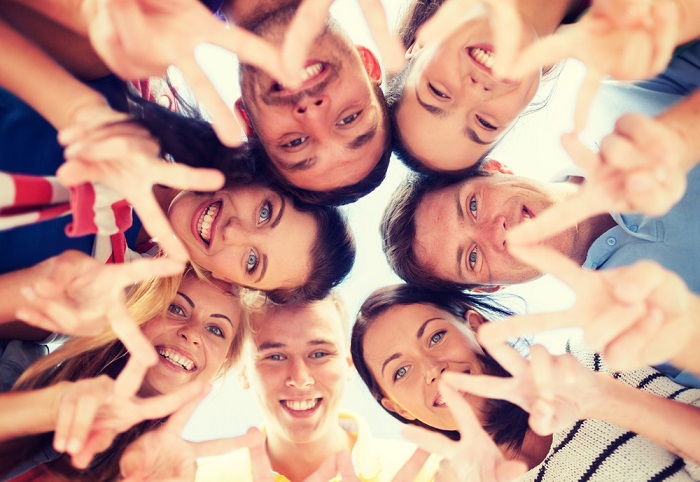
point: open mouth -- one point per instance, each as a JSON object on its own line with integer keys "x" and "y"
{"x": 301, "y": 408}
{"x": 438, "y": 401}
{"x": 175, "y": 359}
{"x": 483, "y": 57}
{"x": 314, "y": 72}
{"x": 204, "y": 221}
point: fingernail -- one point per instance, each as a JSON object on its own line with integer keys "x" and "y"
{"x": 73, "y": 445}
{"x": 59, "y": 444}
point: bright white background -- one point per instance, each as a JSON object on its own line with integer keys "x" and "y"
{"x": 531, "y": 148}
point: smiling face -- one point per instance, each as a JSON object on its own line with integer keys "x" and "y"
{"x": 297, "y": 363}
{"x": 461, "y": 229}
{"x": 249, "y": 235}
{"x": 328, "y": 133}
{"x": 407, "y": 349}
{"x": 453, "y": 110}
{"x": 192, "y": 337}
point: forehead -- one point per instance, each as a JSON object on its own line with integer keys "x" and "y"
{"x": 296, "y": 325}
{"x": 210, "y": 295}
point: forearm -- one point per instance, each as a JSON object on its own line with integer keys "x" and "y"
{"x": 689, "y": 357}
{"x": 30, "y": 412}
{"x": 673, "y": 425}
{"x": 683, "y": 118}
{"x": 38, "y": 80}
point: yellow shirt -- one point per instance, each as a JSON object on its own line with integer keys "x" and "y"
{"x": 375, "y": 460}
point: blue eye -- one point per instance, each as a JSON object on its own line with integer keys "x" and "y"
{"x": 275, "y": 357}
{"x": 176, "y": 310}
{"x": 296, "y": 142}
{"x": 400, "y": 373}
{"x": 473, "y": 206}
{"x": 265, "y": 213}
{"x": 437, "y": 337}
{"x": 252, "y": 261}
{"x": 215, "y": 330}
{"x": 319, "y": 354}
{"x": 349, "y": 119}
{"x": 473, "y": 257}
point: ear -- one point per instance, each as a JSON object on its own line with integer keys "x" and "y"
{"x": 487, "y": 289}
{"x": 474, "y": 319}
{"x": 414, "y": 49}
{"x": 351, "y": 366}
{"x": 243, "y": 118}
{"x": 374, "y": 70}
{"x": 394, "y": 407}
{"x": 243, "y": 377}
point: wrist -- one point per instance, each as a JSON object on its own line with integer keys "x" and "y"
{"x": 603, "y": 397}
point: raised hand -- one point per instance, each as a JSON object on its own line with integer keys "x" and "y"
{"x": 80, "y": 296}
{"x": 163, "y": 454}
{"x": 475, "y": 457}
{"x": 555, "y": 390}
{"x": 506, "y": 25}
{"x": 93, "y": 411}
{"x": 636, "y": 315}
{"x": 124, "y": 157}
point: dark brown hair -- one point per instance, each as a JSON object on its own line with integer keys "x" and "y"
{"x": 398, "y": 228}
{"x": 505, "y": 422}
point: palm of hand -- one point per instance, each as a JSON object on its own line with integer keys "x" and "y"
{"x": 174, "y": 459}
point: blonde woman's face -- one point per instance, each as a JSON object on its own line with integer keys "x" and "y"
{"x": 193, "y": 336}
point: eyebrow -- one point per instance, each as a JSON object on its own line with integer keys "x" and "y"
{"x": 436, "y": 111}
{"x": 419, "y": 335}
{"x": 471, "y": 133}
{"x": 460, "y": 249}
{"x": 218, "y": 315}
{"x": 187, "y": 298}
{"x": 266, "y": 345}
{"x": 307, "y": 163}
{"x": 363, "y": 139}
{"x": 263, "y": 269}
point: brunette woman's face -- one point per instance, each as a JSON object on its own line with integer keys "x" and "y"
{"x": 250, "y": 235}
{"x": 453, "y": 109}
{"x": 408, "y": 348}
{"x": 192, "y": 337}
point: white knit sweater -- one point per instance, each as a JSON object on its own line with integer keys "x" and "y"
{"x": 598, "y": 451}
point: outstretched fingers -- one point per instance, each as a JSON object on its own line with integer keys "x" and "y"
{"x": 390, "y": 48}
{"x": 412, "y": 467}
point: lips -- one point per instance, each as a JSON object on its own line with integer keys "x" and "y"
{"x": 438, "y": 401}
{"x": 313, "y": 73}
{"x": 204, "y": 221}
{"x": 301, "y": 408}
{"x": 176, "y": 359}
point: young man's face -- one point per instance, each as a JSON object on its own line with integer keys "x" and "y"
{"x": 328, "y": 133}
{"x": 297, "y": 362}
{"x": 461, "y": 230}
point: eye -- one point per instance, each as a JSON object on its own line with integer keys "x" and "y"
{"x": 319, "y": 354}
{"x": 265, "y": 213}
{"x": 473, "y": 206}
{"x": 485, "y": 124}
{"x": 275, "y": 357}
{"x": 348, "y": 119}
{"x": 400, "y": 373}
{"x": 473, "y": 258}
{"x": 177, "y": 310}
{"x": 437, "y": 337}
{"x": 252, "y": 261}
{"x": 295, "y": 142}
{"x": 437, "y": 92}
{"x": 215, "y": 330}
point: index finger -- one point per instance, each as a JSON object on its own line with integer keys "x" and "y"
{"x": 507, "y": 32}
{"x": 126, "y": 274}
{"x": 185, "y": 400}
{"x": 492, "y": 334}
{"x": 412, "y": 467}
{"x": 450, "y": 16}
{"x": 131, "y": 336}
{"x": 467, "y": 423}
{"x": 129, "y": 380}
{"x": 545, "y": 51}
{"x": 308, "y": 23}
{"x": 390, "y": 48}
{"x": 184, "y": 177}
{"x": 586, "y": 94}
{"x": 547, "y": 260}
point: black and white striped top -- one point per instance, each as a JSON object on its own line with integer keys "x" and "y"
{"x": 593, "y": 450}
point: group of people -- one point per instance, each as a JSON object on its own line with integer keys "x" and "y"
{"x": 165, "y": 239}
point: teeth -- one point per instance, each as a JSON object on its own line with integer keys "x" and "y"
{"x": 176, "y": 358}
{"x": 484, "y": 57}
{"x": 301, "y": 404}
{"x": 311, "y": 71}
{"x": 206, "y": 219}
{"x": 439, "y": 402}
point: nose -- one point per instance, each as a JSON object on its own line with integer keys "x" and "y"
{"x": 434, "y": 371}
{"x": 235, "y": 232}
{"x": 495, "y": 231}
{"x": 299, "y": 375}
{"x": 190, "y": 333}
{"x": 312, "y": 106}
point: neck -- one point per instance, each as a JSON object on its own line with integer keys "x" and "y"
{"x": 544, "y": 16}
{"x": 297, "y": 461}
{"x": 533, "y": 450}
{"x": 587, "y": 232}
